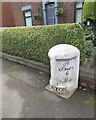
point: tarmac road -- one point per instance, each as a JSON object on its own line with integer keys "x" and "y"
{"x": 20, "y": 100}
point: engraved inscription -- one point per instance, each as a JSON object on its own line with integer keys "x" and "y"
{"x": 60, "y": 90}
{"x": 66, "y": 67}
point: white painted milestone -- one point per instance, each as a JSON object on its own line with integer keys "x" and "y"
{"x": 64, "y": 62}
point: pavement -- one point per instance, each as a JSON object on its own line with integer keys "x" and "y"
{"x": 24, "y": 96}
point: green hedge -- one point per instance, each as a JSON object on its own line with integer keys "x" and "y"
{"x": 89, "y": 11}
{"x": 34, "y": 42}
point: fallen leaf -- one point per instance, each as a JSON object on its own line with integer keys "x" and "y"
{"x": 40, "y": 72}
{"x": 84, "y": 89}
{"x": 80, "y": 87}
{"x": 15, "y": 68}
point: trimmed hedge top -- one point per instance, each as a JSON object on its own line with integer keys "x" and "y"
{"x": 34, "y": 42}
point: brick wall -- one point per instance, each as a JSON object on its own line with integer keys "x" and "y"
{"x": 18, "y": 14}
{"x": 68, "y": 16}
{"x": 7, "y": 15}
{"x": 12, "y": 14}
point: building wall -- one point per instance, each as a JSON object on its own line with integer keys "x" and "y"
{"x": 12, "y": 14}
{"x": 18, "y": 14}
{"x": 7, "y": 15}
{"x": 68, "y": 16}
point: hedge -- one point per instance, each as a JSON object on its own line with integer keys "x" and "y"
{"x": 34, "y": 42}
{"x": 89, "y": 11}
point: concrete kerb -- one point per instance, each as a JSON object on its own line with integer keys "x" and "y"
{"x": 87, "y": 78}
{"x": 26, "y": 62}
{"x": 84, "y": 79}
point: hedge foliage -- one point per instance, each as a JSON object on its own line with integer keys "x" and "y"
{"x": 34, "y": 42}
{"x": 89, "y": 11}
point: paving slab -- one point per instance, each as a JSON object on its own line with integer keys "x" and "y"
{"x": 24, "y": 96}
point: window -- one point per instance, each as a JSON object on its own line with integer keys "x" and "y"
{"x": 28, "y": 18}
{"x": 27, "y": 15}
{"x": 78, "y": 11}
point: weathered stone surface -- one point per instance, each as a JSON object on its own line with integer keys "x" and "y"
{"x": 64, "y": 61}
{"x": 60, "y": 91}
